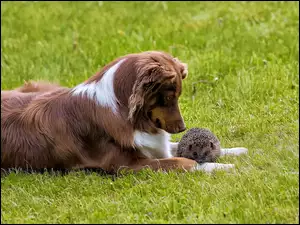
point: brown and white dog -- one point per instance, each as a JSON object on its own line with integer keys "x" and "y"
{"x": 120, "y": 118}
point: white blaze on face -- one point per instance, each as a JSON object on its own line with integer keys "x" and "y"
{"x": 102, "y": 91}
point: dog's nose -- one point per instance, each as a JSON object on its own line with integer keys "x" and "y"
{"x": 181, "y": 129}
{"x": 176, "y": 127}
{"x": 181, "y": 126}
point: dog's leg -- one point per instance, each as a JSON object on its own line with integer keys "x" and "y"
{"x": 174, "y": 147}
{"x": 210, "y": 167}
{"x": 175, "y": 163}
{"x": 178, "y": 163}
{"x": 233, "y": 151}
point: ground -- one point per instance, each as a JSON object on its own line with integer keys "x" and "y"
{"x": 243, "y": 85}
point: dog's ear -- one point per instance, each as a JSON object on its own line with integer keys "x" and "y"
{"x": 149, "y": 78}
{"x": 183, "y": 68}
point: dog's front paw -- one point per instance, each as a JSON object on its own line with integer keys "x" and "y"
{"x": 234, "y": 151}
{"x": 210, "y": 167}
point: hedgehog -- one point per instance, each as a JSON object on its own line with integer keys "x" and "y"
{"x": 199, "y": 144}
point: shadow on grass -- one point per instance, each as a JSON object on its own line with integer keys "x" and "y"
{"x": 56, "y": 172}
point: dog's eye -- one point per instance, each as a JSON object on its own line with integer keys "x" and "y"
{"x": 168, "y": 98}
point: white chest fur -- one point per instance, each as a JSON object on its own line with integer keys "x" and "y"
{"x": 153, "y": 146}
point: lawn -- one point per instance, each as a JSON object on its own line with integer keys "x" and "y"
{"x": 243, "y": 85}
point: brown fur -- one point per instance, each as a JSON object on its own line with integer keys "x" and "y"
{"x": 54, "y": 129}
{"x": 30, "y": 86}
{"x": 38, "y": 86}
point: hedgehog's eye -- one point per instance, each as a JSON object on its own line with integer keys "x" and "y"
{"x": 195, "y": 154}
{"x": 205, "y": 154}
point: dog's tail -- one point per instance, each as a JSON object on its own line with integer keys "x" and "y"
{"x": 37, "y": 86}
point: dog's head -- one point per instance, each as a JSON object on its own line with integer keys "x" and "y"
{"x": 156, "y": 90}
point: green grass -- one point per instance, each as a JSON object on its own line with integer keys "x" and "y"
{"x": 249, "y": 53}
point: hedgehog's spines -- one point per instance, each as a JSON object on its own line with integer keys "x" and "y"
{"x": 196, "y": 135}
